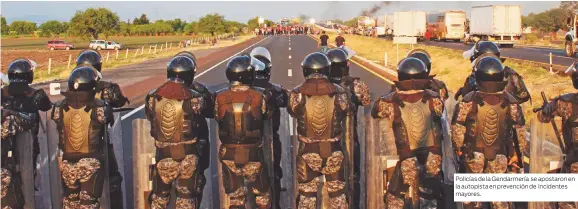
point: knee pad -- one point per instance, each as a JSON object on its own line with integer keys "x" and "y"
{"x": 394, "y": 201}
{"x": 307, "y": 200}
{"x": 88, "y": 201}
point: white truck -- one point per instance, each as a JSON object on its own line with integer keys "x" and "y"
{"x": 501, "y": 24}
{"x": 384, "y": 26}
{"x": 409, "y": 24}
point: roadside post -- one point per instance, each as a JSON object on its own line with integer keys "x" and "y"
{"x": 166, "y": 44}
{"x": 161, "y": 47}
{"x": 551, "y": 72}
{"x": 171, "y": 46}
{"x": 403, "y": 40}
{"x": 69, "y": 60}
{"x": 385, "y": 59}
{"x": 142, "y": 50}
{"x": 49, "y": 65}
{"x": 107, "y": 55}
{"x": 135, "y": 53}
{"x": 126, "y": 55}
{"x": 155, "y": 49}
{"x": 116, "y": 54}
{"x": 150, "y": 47}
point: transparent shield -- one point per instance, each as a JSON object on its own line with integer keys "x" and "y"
{"x": 143, "y": 147}
{"x": 23, "y": 151}
{"x": 54, "y": 161}
{"x": 545, "y": 152}
{"x": 289, "y": 145}
{"x": 268, "y": 154}
{"x": 380, "y": 159}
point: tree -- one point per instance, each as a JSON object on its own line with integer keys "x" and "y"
{"x": 23, "y": 27}
{"x": 191, "y": 28}
{"x": 5, "y": 28}
{"x": 94, "y": 22}
{"x": 52, "y": 28}
{"x": 136, "y": 21}
{"x": 212, "y": 23}
{"x": 143, "y": 19}
{"x": 254, "y": 23}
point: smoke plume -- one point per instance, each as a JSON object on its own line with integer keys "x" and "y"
{"x": 376, "y": 7}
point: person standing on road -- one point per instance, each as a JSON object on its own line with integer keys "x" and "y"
{"x": 20, "y": 97}
{"x": 278, "y": 100}
{"x": 323, "y": 111}
{"x": 339, "y": 40}
{"x": 486, "y": 126}
{"x": 323, "y": 42}
{"x": 418, "y": 138}
{"x": 360, "y": 97}
{"x": 515, "y": 84}
{"x": 241, "y": 111}
{"x": 173, "y": 110}
{"x": 112, "y": 95}
{"x": 81, "y": 120}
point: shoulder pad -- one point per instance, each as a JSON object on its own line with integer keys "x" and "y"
{"x": 567, "y": 97}
{"x": 510, "y": 71}
{"x": 105, "y": 84}
{"x": 469, "y": 97}
{"x": 152, "y": 92}
{"x": 258, "y": 89}
{"x": 431, "y": 93}
{"x": 511, "y": 99}
{"x": 99, "y": 103}
{"x": 297, "y": 88}
{"x": 199, "y": 87}
{"x": 389, "y": 97}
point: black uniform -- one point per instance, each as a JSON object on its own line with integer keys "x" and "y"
{"x": 81, "y": 121}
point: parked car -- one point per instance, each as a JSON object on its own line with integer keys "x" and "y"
{"x": 102, "y": 44}
{"x": 54, "y": 45}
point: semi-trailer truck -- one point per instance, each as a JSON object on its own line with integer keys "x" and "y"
{"x": 501, "y": 24}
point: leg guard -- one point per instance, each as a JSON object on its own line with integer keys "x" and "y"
{"x": 12, "y": 196}
{"x": 262, "y": 188}
{"x": 91, "y": 190}
{"x": 71, "y": 201}
{"x": 187, "y": 191}
{"x": 277, "y": 151}
{"x": 234, "y": 187}
{"x": 115, "y": 181}
{"x": 159, "y": 197}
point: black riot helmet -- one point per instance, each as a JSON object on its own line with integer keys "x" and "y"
{"x": 188, "y": 54}
{"x": 316, "y": 62}
{"x": 411, "y": 68}
{"x": 21, "y": 71}
{"x": 489, "y": 68}
{"x": 339, "y": 64}
{"x": 82, "y": 78}
{"x": 182, "y": 69}
{"x": 423, "y": 56}
{"x": 240, "y": 71}
{"x": 263, "y": 55}
{"x": 90, "y": 57}
{"x": 484, "y": 47}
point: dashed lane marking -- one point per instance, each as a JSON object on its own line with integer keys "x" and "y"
{"x": 290, "y": 73}
{"x": 200, "y": 74}
{"x": 289, "y": 56}
{"x": 289, "y": 48}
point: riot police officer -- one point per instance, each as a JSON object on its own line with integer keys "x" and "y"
{"x": 207, "y": 112}
{"x": 173, "y": 109}
{"x": 81, "y": 120}
{"x": 360, "y": 97}
{"x": 416, "y": 115}
{"x": 563, "y": 106}
{"x": 241, "y": 112}
{"x": 110, "y": 93}
{"x": 323, "y": 112}
{"x": 277, "y": 100}
{"x": 515, "y": 84}
{"x": 484, "y": 123}
{"x": 435, "y": 85}
{"x": 18, "y": 96}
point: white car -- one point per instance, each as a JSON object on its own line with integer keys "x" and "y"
{"x": 102, "y": 44}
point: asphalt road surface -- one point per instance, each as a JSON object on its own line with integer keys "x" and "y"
{"x": 535, "y": 54}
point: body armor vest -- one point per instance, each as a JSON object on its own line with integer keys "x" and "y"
{"x": 319, "y": 117}
{"x": 79, "y": 134}
{"x": 170, "y": 121}
{"x": 492, "y": 129}
{"x": 418, "y": 123}
{"x": 240, "y": 117}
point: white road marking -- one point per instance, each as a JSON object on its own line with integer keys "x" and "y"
{"x": 290, "y": 73}
{"x": 547, "y": 55}
{"x": 198, "y": 75}
{"x": 289, "y": 48}
{"x": 289, "y": 56}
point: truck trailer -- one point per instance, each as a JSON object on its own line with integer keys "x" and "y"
{"x": 448, "y": 25}
{"x": 501, "y": 24}
{"x": 384, "y": 26}
{"x": 409, "y": 24}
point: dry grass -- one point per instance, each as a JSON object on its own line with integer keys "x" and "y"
{"x": 452, "y": 68}
{"x": 61, "y": 71}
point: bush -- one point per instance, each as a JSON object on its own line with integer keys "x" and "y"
{"x": 531, "y": 38}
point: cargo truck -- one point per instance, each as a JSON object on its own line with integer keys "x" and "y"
{"x": 384, "y": 26}
{"x": 501, "y": 24}
{"x": 571, "y": 38}
{"x": 449, "y": 25}
{"x": 409, "y": 24}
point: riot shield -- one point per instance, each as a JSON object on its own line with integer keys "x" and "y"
{"x": 349, "y": 158}
{"x": 144, "y": 149}
{"x": 289, "y": 143}
{"x": 54, "y": 162}
{"x": 105, "y": 197}
{"x": 545, "y": 153}
{"x": 380, "y": 159}
{"x": 26, "y": 167}
{"x": 223, "y": 202}
{"x": 268, "y": 154}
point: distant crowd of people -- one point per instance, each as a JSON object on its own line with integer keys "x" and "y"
{"x": 283, "y": 30}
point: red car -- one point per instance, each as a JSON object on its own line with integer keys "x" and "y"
{"x": 53, "y": 45}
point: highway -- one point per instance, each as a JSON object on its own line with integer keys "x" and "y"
{"x": 138, "y": 79}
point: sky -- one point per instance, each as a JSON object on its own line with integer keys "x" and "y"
{"x": 240, "y": 10}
